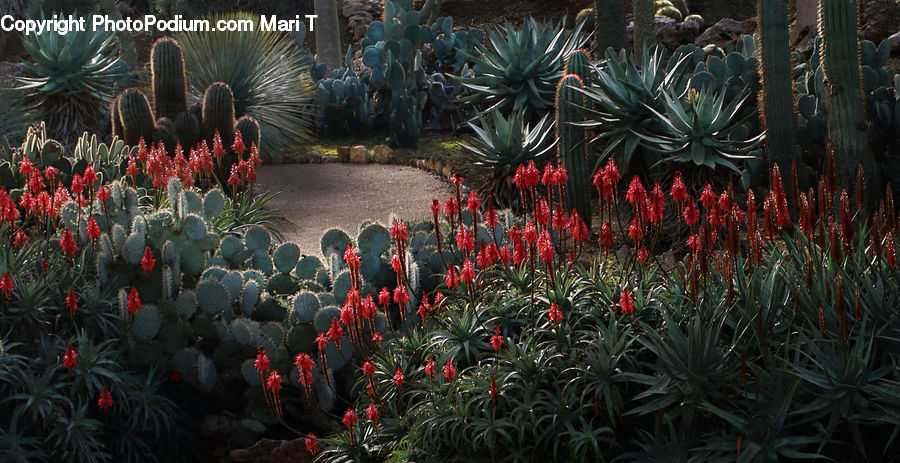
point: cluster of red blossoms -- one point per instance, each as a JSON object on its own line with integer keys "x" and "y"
{"x": 200, "y": 164}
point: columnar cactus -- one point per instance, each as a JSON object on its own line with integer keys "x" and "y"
{"x": 843, "y": 93}
{"x": 572, "y": 146}
{"x": 167, "y": 74}
{"x": 777, "y": 103}
{"x": 187, "y": 127}
{"x": 136, "y": 116}
{"x": 117, "y": 129}
{"x": 579, "y": 63}
{"x": 218, "y": 113}
{"x": 644, "y": 29}
{"x": 609, "y": 25}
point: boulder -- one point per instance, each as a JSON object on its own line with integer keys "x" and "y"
{"x": 343, "y": 153}
{"x": 894, "y": 40}
{"x": 880, "y": 19}
{"x": 725, "y": 31}
{"x": 273, "y": 451}
{"x": 359, "y": 154}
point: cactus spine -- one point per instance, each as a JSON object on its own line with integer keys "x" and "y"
{"x": 609, "y": 26}
{"x": 572, "y": 148}
{"x": 136, "y": 116}
{"x": 777, "y": 103}
{"x": 218, "y": 113}
{"x": 167, "y": 73}
{"x": 117, "y": 129}
{"x": 644, "y": 31}
{"x": 843, "y": 95}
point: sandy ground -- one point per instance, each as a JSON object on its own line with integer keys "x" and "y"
{"x": 318, "y": 197}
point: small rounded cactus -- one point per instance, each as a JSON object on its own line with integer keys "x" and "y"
{"x": 305, "y": 307}
{"x": 146, "y": 323}
{"x": 286, "y": 257}
{"x": 136, "y": 117}
{"x": 212, "y": 297}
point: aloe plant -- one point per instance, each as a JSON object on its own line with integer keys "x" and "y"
{"x": 519, "y": 69}
{"x": 702, "y": 130}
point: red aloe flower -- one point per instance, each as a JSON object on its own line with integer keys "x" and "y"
{"x": 449, "y": 370}
{"x": 545, "y": 246}
{"x": 71, "y": 302}
{"x": 134, "y": 303}
{"x": 490, "y": 217}
{"x": 889, "y": 251}
{"x": 465, "y": 240}
{"x": 147, "y": 261}
{"x": 262, "y": 361}
{"x": 218, "y": 149}
{"x": 399, "y": 231}
{"x": 93, "y": 229}
{"x": 679, "y": 191}
{"x": 542, "y": 212}
{"x": 20, "y": 239}
{"x": 578, "y": 228}
{"x": 473, "y": 203}
{"x": 636, "y": 194}
{"x": 467, "y": 275}
{"x": 132, "y": 169}
{"x": 234, "y": 179}
{"x": 497, "y": 339}
{"x": 274, "y": 383}
{"x": 238, "y": 145}
{"x": 399, "y": 379}
{"x": 707, "y": 196}
{"x": 67, "y": 243}
{"x": 305, "y": 364}
{"x": 429, "y": 367}
{"x": 105, "y": 402}
{"x": 335, "y": 331}
{"x": 555, "y": 314}
{"x": 70, "y": 358}
{"x": 312, "y": 443}
{"x": 452, "y": 278}
{"x": 90, "y": 177}
{"x": 372, "y": 412}
{"x": 606, "y": 236}
{"x": 626, "y": 302}
{"x": 691, "y": 214}
{"x": 6, "y": 285}
{"x": 401, "y": 297}
{"x": 530, "y": 233}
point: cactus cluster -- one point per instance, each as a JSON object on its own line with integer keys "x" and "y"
{"x": 169, "y": 120}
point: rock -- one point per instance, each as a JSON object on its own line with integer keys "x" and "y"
{"x": 273, "y": 451}
{"x": 343, "y": 153}
{"x": 803, "y": 29}
{"x": 382, "y": 154}
{"x": 880, "y": 19}
{"x": 359, "y": 154}
{"x": 674, "y": 34}
{"x": 725, "y": 31}
{"x": 894, "y": 40}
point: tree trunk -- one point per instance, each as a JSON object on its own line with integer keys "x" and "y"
{"x": 328, "y": 34}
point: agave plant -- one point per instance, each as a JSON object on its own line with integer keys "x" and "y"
{"x": 508, "y": 142}
{"x": 622, "y": 101}
{"x": 70, "y": 78}
{"x": 520, "y": 68}
{"x": 12, "y": 124}
{"x": 702, "y": 129}
{"x": 267, "y": 73}
{"x": 504, "y": 144}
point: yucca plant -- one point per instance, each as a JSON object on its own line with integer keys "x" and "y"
{"x": 520, "y": 68}
{"x": 69, "y": 78}
{"x": 703, "y": 130}
{"x": 267, "y": 73}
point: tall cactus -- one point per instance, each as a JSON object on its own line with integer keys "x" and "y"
{"x": 609, "y": 26}
{"x": 187, "y": 127}
{"x": 843, "y": 96}
{"x": 644, "y": 28}
{"x": 167, "y": 74}
{"x": 136, "y": 116}
{"x": 579, "y": 63}
{"x": 117, "y": 129}
{"x": 218, "y": 113}
{"x": 776, "y": 107}
{"x": 572, "y": 147}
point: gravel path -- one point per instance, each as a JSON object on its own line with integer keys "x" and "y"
{"x": 318, "y": 197}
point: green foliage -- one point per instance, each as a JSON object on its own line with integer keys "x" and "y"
{"x": 508, "y": 143}
{"x": 69, "y": 78}
{"x": 266, "y": 73}
{"x": 520, "y": 68}
{"x": 12, "y": 106}
{"x": 703, "y": 130}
